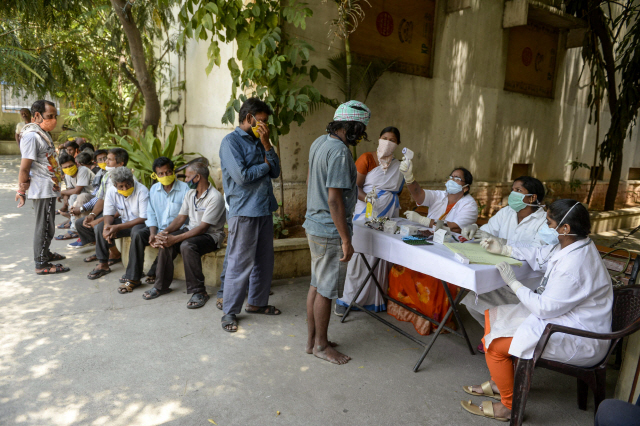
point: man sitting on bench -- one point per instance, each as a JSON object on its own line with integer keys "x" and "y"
{"x": 204, "y": 207}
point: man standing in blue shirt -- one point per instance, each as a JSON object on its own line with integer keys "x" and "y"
{"x": 331, "y": 198}
{"x": 248, "y": 163}
{"x": 165, "y": 201}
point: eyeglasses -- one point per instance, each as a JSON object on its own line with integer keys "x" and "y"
{"x": 456, "y": 178}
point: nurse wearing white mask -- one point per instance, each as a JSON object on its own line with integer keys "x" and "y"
{"x": 455, "y": 206}
{"x": 575, "y": 292}
{"x": 517, "y": 225}
{"x": 377, "y": 170}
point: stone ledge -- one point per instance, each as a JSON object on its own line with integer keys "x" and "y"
{"x": 615, "y": 219}
{"x": 9, "y": 148}
{"x": 292, "y": 259}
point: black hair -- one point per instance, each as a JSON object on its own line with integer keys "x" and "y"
{"x": 533, "y": 186}
{"x": 353, "y": 130}
{"x": 71, "y": 144}
{"x": 87, "y": 145}
{"x": 25, "y": 109}
{"x": 393, "y": 130}
{"x": 99, "y": 152}
{"x": 253, "y": 106}
{"x": 122, "y": 156}
{"x": 64, "y": 157}
{"x": 40, "y": 106}
{"x": 578, "y": 219}
{"x": 468, "y": 177}
{"x": 84, "y": 158}
{"x": 162, "y": 161}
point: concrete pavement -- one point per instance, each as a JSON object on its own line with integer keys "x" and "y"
{"x": 75, "y": 352}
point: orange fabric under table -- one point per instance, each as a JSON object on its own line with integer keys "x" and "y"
{"x": 500, "y": 364}
{"x": 421, "y": 292}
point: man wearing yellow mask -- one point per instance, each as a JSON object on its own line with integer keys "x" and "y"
{"x": 128, "y": 199}
{"x": 165, "y": 201}
{"x": 40, "y": 174}
{"x": 78, "y": 180}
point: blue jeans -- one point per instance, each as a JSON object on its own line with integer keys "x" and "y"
{"x": 613, "y": 412}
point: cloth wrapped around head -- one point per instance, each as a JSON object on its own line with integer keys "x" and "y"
{"x": 353, "y": 111}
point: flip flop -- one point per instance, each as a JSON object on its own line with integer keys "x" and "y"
{"x": 486, "y": 388}
{"x": 114, "y": 261}
{"x": 265, "y": 310}
{"x": 97, "y": 273}
{"x": 65, "y": 225}
{"x": 154, "y": 293}
{"x": 219, "y": 303}
{"x": 128, "y": 287}
{"x": 91, "y": 258}
{"x": 68, "y": 236}
{"x": 151, "y": 279}
{"x": 200, "y": 299}
{"x": 487, "y": 410}
{"x": 53, "y": 269}
{"x": 229, "y": 319}
{"x": 55, "y": 256}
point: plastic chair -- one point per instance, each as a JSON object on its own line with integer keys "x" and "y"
{"x": 625, "y": 321}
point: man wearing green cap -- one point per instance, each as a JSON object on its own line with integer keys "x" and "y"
{"x": 331, "y": 199}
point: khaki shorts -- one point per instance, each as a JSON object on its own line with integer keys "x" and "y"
{"x": 328, "y": 274}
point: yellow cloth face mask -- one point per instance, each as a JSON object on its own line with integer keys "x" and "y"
{"x": 165, "y": 180}
{"x": 103, "y": 166}
{"x": 70, "y": 170}
{"x": 126, "y": 192}
{"x": 255, "y": 132}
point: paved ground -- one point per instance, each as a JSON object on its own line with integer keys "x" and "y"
{"x": 75, "y": 352}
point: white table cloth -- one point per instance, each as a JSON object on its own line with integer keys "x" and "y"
{"x": 435, "y": 260}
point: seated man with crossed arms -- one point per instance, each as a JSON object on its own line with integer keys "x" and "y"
{"x": 204, "y": 207}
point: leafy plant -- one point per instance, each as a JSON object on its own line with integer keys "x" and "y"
{"x": 145, "y": 149}
{"x": 268, "y": 64}
{"x": 7, "y": 132}
{"x": 574, "y": 183}
{"x": 279, "y": 224}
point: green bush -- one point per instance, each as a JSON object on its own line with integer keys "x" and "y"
{"x": 7, "y": 132}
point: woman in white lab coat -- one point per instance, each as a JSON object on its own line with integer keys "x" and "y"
{"x": 516, "y": 225}
{"x": 576, "y": 292}
{"x": 457, "y": 208}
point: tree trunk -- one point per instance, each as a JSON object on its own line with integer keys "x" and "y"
{"x": 599, "y": 27}
{"x": 136, "y": 50}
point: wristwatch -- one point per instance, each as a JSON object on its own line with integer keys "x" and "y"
{"x": 92, "y": 213}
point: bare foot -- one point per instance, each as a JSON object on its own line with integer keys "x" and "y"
{"x": 309, "y": 349}
{"x": 331, "y": 355}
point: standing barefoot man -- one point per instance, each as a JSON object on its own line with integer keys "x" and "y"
{"x": 331, "y": 198}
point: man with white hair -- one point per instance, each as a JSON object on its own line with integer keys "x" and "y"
{"x": 128, "y": 198}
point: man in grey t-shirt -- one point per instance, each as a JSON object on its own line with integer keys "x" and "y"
{"x": 41, "y": 175}
{"x": 331, "y": 198}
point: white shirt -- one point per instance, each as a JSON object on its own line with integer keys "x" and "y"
{"x": 464, "y": 213}
{"x": 130, "y": 208}
{"x": 209, "y": 208}
{"x": 504, "y": 224}
{"x": 84, "y": 177}
{"x": 578, "y": 294}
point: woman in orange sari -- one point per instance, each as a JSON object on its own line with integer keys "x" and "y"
{"x": 424, "y": 293}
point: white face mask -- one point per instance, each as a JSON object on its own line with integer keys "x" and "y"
{"x": 385, "y": 152}
{"x": 109, "y": 169}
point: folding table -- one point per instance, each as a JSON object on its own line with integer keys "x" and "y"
{"x": 435, "y": 260}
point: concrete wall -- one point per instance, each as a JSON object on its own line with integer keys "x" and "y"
{"x": 461, "y": 116}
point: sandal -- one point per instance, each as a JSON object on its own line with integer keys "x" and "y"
{"x": 219, "y": 303}
{"x": 486, "y": 411}
{"x": 97, "y": 273}
{"x": 91, "y": 258}
{"x": 56, "y": 256}
{"x": 151, "y": 279}
{"x": 227, "y": 320}
{"x": 68, "y": 236}
{"x": 50, "y": 269}
{"x": 114, "y": 261}
{"x": 200, "y": 299}
{"x": 65, "y": 225}
{"x": 128, "y": 286}
{"x": 265, "y": 310}
{"x": 154, "y": 292}
{"x": 486, "y": 389}
{"x": 122, "y": 279}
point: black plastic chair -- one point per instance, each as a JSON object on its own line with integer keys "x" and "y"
{"x": 625, "y": 321}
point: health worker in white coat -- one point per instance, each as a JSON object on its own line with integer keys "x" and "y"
{"x": 576, "y": 292}
{"x": 456, "y": 207}
{"x": 380, "y": 172}
{"x": 516, "y": 225}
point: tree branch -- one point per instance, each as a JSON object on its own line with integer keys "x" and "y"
{"x": 127, "y": 73}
